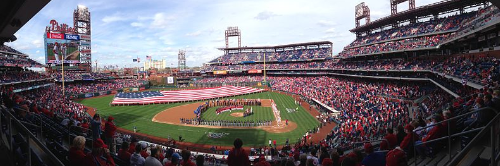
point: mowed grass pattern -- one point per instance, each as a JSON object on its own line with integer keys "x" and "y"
{"x": 141, "y": 116}
{"x": 259, "y": 113}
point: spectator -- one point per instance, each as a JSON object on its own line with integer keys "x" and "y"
{"x": 109, "y": 130}
{"x": 96, "y": 127}
{"x": 136, "y": 159}
{"x": 152, "y": 160}
{"x": 410, "y": 138}
{"x": 99, "y": 152}
{"x": 76, "y": 155}
{"x": 238, "y": 156}
{"x": 174, "y": 161}
{"x": 396, "y": 157}
{"x": 123, "y": 154}
{"x": 200, "y": 160}
{"x": 186, "y": 156}
{"x": 390, "y": 140}
{"x": 372, "y": 158}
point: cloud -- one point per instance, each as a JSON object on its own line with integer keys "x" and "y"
{"x": 265, "y": 15}
{"x": 37, "y": 43}
{"x": 194, "y": 34}
{"x": 160, "y": 20}
{"x": 324, "y": 23}
{"x": 114, "y": 18}
{"x": 331, "y": 30}
{"x": 136, "y": 24}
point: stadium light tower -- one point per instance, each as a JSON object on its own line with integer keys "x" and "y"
{"x": 362, "y": 11}
{"x": 181, "y": 59}
{"x": 395, "y": 3}
{"x": 233, "y": 32}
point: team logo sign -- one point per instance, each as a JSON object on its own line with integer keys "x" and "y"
{"x": 216, "y": 135}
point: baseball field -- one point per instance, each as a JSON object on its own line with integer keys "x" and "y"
{"x": 128, "y": 117}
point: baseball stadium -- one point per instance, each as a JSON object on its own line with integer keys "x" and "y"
{"x": 166, "y": 83}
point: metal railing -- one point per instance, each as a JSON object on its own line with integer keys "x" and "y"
{"x": 450, "y": 135}
{"x": 15, "y": 126}
{"x": 492, "y": 128}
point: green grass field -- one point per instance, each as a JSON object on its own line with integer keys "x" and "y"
{"x": 140, "y": 116}
{"x": 259, "y": 113}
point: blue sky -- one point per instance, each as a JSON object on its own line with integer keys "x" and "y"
{"x": 126, "y": 29}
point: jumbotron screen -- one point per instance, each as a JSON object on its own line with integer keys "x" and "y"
{"x": 60, "y": 46}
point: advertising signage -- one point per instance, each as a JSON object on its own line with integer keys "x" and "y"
{"x": 220, "y": 72}
{"x": 71, "y": 37}
{"x": 55, "y": 35}
{"x": 253, "y": 71}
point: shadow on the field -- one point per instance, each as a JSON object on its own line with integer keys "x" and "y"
{"x": 250, "y": 137}
{"x": 125, "y": 118}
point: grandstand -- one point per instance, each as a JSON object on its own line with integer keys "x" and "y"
{"x": 418, "y": 87}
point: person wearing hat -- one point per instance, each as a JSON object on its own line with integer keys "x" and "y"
{"x": 136, "y": 159}
{"x": 237, "y": 156}
{"x": 372, "y": 158}
{"x": 99, "y": 150}
{"x": 174, "y": 160}
{"x": 262, "y": 161}
{"x": 410, "y": 138}
{"x": 396, "y": 157}
{"x": 109, "y": 133}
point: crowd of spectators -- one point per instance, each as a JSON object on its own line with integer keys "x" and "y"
{"x": 474, "y": 68}
{"x": 230, "y": 79}
{"x": 17, "y": 76}
{"x": 98, "y": 86}
{"x": 421, "y": 28}
{"x": 18, "y": 61}
{"x": 286, "y": 55}
{"x": 5, "y": 48}
{"x": 412, "y": 36}
{"x": 80, "y": 76}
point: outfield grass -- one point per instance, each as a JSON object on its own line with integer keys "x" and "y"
{"x": 259, "y": 113}
{"x": 140, "y": 116}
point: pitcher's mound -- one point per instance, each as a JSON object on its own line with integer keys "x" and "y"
{"x": 237, "y": 114}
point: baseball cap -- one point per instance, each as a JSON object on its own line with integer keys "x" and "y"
{"x": 98, "y": 143}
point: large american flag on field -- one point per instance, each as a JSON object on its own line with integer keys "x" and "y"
{"x": 141, "y": 98}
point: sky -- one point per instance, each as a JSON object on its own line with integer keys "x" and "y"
{"x": 126, "y": 29}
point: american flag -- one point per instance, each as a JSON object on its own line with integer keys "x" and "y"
{"x": 181, "y": 95}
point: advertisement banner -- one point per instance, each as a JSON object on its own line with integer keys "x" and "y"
{"x": 87, "y": 95}
{"x": 85, "y": 43}
{"x": 55, "y": 35}
{"x": 85, "y": 51}
{"x": 253, "y": 71}
{"x": 85, "y": 37}
{"x": 135, "y": 89}
{"x": 71, "y": 37}
{"x": 220, "y": 72}
{"x": 170, "y": 80}
{"x": 103, "y": 93}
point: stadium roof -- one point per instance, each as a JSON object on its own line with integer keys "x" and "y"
{"x": 434, "y": 8}
{"x": 279, "y": 46}
{"x": 15, "y": 13}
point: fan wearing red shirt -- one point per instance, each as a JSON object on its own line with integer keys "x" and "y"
{"x": 390, "y": 140}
